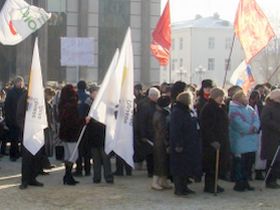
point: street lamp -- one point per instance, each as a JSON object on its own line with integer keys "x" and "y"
{"x": 181, "y": 73}
{"x": 200, "y": 70}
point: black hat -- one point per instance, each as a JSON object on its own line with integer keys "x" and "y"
{"x": 82, "y": 85}
{"x": 163, "y": 101}
{"x": 207, "y": 83}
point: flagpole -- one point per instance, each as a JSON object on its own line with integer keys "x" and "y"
{"x": 77, "y": 144}
{"x": 229, "y": 58}
{"x": 170, "y": 68}
{"x": 274, "y": 72}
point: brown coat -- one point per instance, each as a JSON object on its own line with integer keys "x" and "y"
{"x": 160, "y": 125}
{"x": 270, "y": 123}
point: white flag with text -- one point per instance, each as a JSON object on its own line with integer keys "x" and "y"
{"x": 18, "y": 20}
{"x": 35, "y": 118}
{"x": 123, "y": 144}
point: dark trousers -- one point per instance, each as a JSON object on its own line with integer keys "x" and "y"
{"x": 180, "y": 183}
{"x": 150, "y": 164}
{"x": 14, "y": 134}
{"x": 121, "y": 165}
{"x": 84, "y": 157}
{"x": 242, "y": 166}
{"x": 30, "y": 166}
{"x": 274, "y": 173}
{"x": 101, "y": 158}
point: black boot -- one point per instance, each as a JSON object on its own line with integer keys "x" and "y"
{"x": 259, "y": 175}
{"x": 68, "y": 178}
{"x": 239, "y": 186}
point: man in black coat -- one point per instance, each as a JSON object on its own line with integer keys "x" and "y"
{"x": 146, "y": 111}
{"x": 215, "y": 134}
{"x": 10, "y": 108}
{"x": 30, "y": 163}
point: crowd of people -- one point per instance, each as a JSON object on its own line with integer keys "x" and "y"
{"x": 181, "y": 133}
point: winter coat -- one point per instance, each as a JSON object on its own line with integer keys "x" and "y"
{"x": 184, "y": 133}
{"x": 70, "y": 122}
{"x": 82, "y": 106}
{"x": 270, "y": 123}
{"x": 161, "y": 142}
{"x": 146, "y": 110}
{"x": 95, "y": 131}
{"x": 214, "y": 126}
{"x": 11, "y": 104}
{"x": 243, "y": 128}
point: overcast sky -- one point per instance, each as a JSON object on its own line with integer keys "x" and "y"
{"x": 187, "y": 9}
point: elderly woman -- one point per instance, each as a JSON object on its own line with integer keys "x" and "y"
{"x": 160, "y": 124}
{"x": 270, "y": 122}
{"x": 70, "y": 126}
{"x": 184, "y": 143}
{"x": 214, "y": 133}
{"x": 243, "y": 128}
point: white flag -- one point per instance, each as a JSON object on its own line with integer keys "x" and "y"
{"x": 18, "y": 20}
{"x": 113, "y": 105}
{"x": 124, "y": 128}
{"x": 35, "y": 118}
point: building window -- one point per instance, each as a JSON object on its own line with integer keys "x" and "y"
{"x": 211, "y": 64}
{"x": 174, "y": 61}
{"x": 173, "y": 44}
{"x": 226, "y": 63}
{"x": 211, "y": 43}
{"x": 228, "y": 43}
{"x": 181, "y": 43}
{"x": 181, "y": 62}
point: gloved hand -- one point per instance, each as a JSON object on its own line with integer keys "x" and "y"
{"x": 216, "y": 145}
{"x": 179, "y": 149}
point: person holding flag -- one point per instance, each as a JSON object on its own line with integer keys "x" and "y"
{"x": 70, "y": 126}
{"x": 32, "y": 120}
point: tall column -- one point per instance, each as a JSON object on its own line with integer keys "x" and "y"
{"x": 145, "y": 41}
{"x": 83, "y": 30}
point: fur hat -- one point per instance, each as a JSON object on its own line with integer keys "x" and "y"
{"x": 275, "y": 95}
{"x": 185, "y": 98}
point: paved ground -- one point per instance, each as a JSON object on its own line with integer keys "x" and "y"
{"x": 128, "y": 193}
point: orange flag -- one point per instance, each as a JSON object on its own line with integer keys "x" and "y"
{"x": 162, "y": 37}
{"x": 252, "y": 28}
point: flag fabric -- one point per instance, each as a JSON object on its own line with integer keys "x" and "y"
{"x": 114, "y": 103}
{"x": 161, "y": 43}
{"x": 35, "y": 118}
{"x": 106, "y": 102}
{"x": 252, "y": 28}
{"x": 18, "y": 20}
{"x": 243, "y": 77}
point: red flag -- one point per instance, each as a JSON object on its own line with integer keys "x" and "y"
{"x": 252, "y": 28}
{"x": 162, "y": 37}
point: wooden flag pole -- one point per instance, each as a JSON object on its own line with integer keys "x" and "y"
{"x": 229, "y": 58}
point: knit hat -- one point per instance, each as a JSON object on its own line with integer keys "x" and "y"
{"x": 163, "y": 101}
{"x": 275, "y": 95}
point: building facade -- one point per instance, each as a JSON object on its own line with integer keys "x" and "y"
{"x": 105, "y": 21}
{"x": 200, "y": 50}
